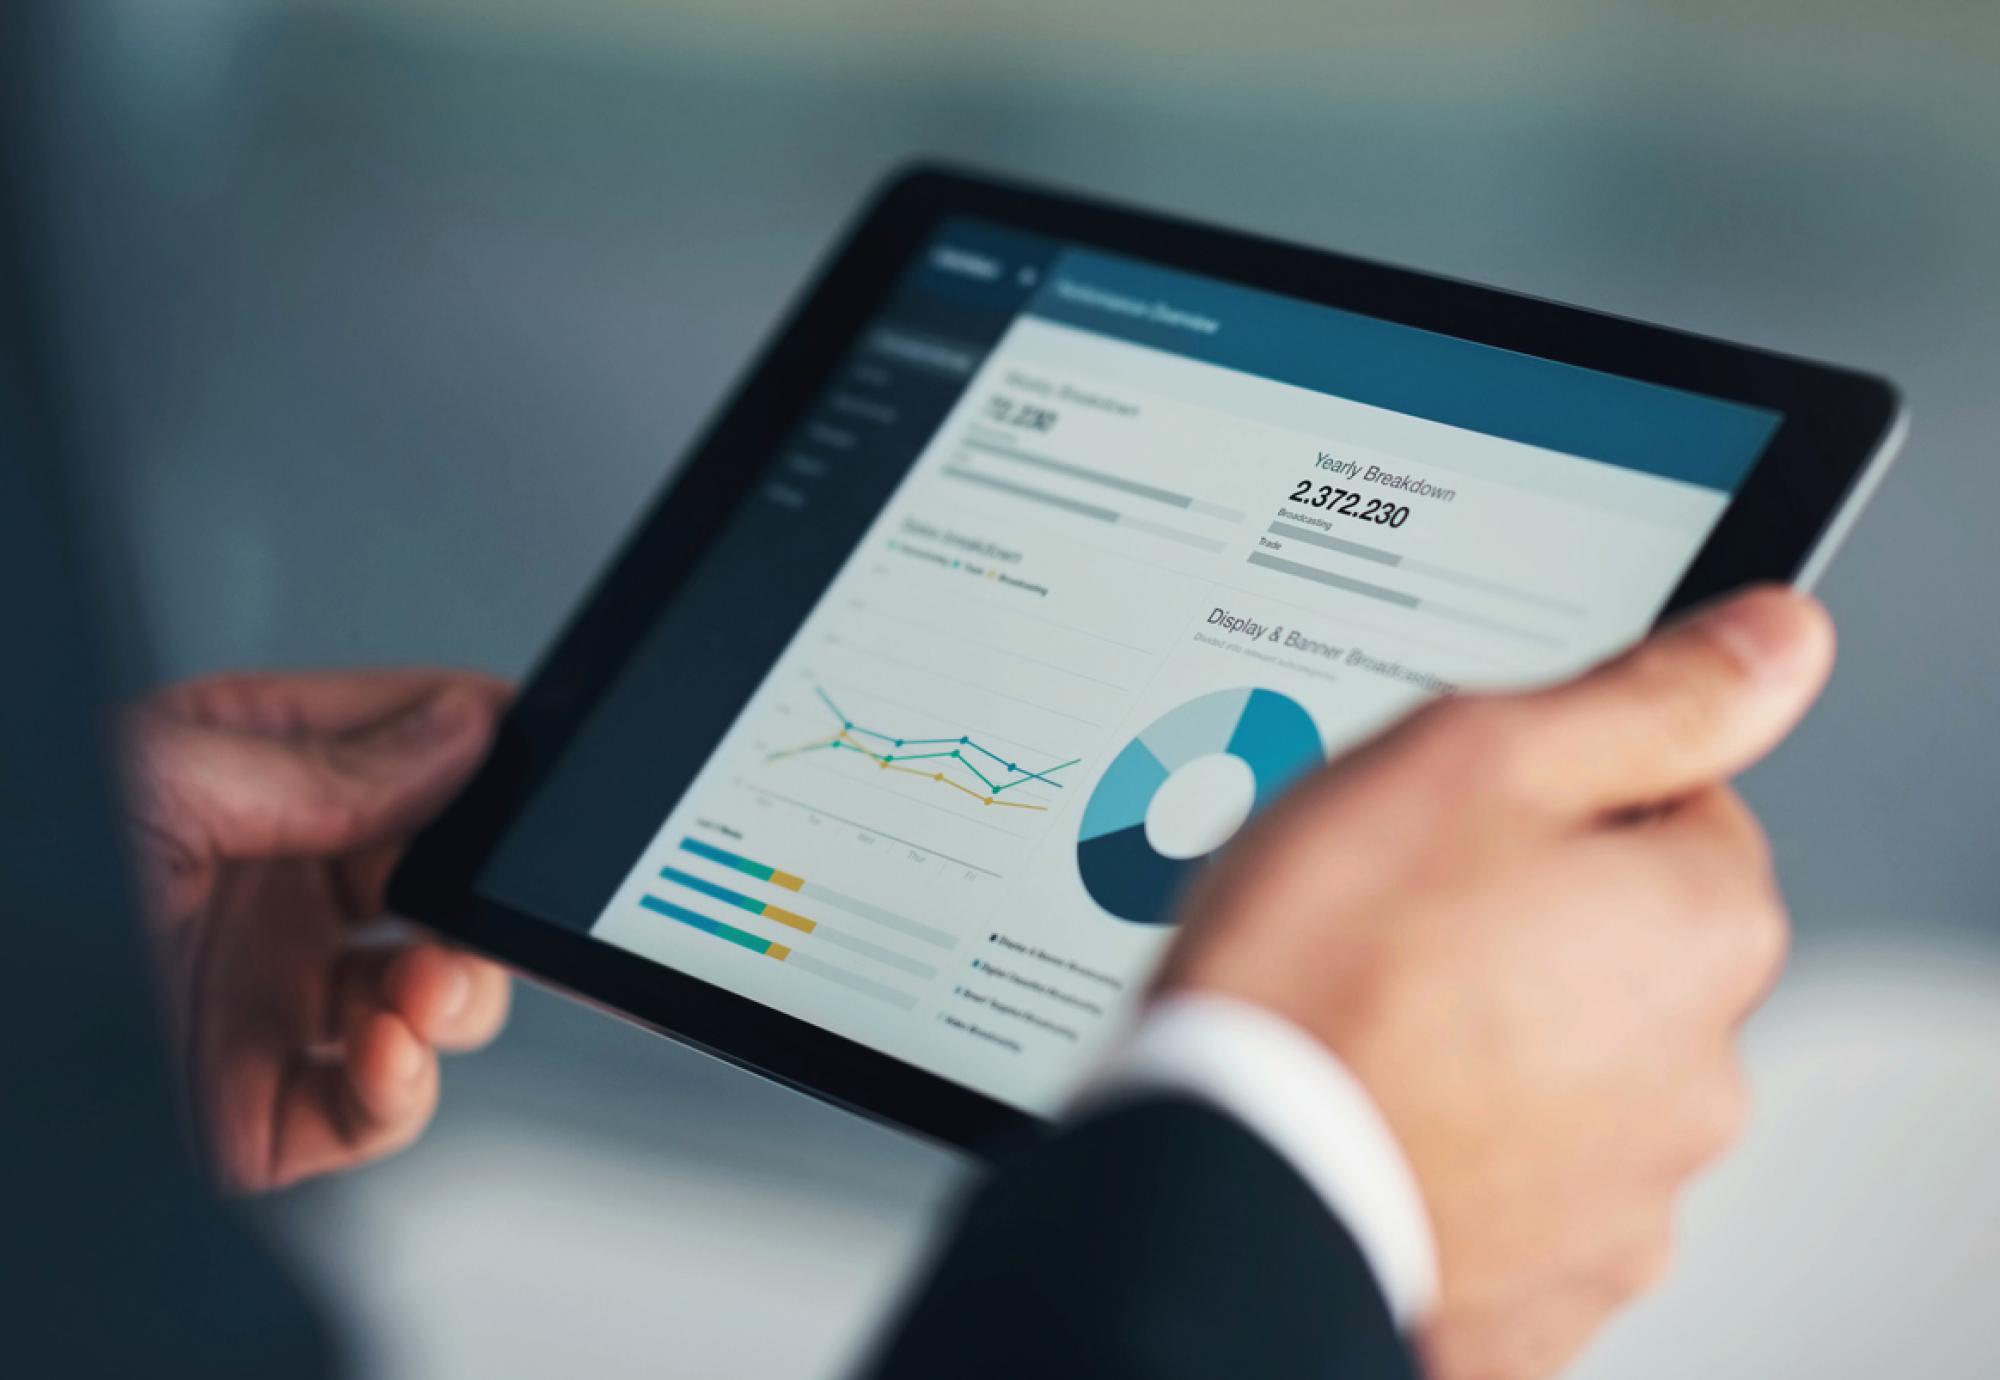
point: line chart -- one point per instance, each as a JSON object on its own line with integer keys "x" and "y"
{"x": 962, "y": 751}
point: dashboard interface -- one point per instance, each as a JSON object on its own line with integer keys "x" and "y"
{"x": 1075, "y": 564}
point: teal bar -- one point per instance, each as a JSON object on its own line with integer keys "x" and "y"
{"x": 727, "y": 859}
{"x": 707, "y": 888}
{"x": 706, "y": 925}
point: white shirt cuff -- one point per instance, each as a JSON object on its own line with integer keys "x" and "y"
{"x": 1294, "y": 1094}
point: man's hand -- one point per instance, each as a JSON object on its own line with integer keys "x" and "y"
{"x": 1531, "y": 925}
{"x": 269, "y": 811}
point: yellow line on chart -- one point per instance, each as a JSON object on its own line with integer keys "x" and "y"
{"x": 815, "y": 745}
{"x": 843, "y": 740}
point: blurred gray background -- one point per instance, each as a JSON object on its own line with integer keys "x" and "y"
{"x": 403, "y": 307}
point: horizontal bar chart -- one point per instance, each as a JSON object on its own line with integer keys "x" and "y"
{"x": 1087, "y": 475}
{"x": 792, "y": 919}
{"x": 1367, "y": 589}
{"x": 865, "y": 910}
{"x": 1082, "y": 509}
{"x": 1326, "y": 541}
{"x": 1400, "y": 598}
{"x": 782, "y": 953}
{"x": 743, "y": 939}
{"x": 742, "y": 864}
{"x": 738, "y": 899}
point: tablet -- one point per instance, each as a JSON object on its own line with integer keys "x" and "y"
{"x": 1047, "y": 543}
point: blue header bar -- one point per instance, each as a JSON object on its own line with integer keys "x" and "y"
{"x": 1561, "y": 407}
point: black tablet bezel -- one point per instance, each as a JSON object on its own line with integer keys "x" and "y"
{"x": 1835, "y": 422}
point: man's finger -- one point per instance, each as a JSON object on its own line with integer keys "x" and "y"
{"x": 296, "y": 704}
{"x": 1738, "y": 914}
{"x": 371, "y": 1102}
{"x": 1704, "y": 867}
{"x": 451, "y": 1000}
{"x": 1694, "y": 704}
{"x": 229, "y": 794}
{"x": 455, "y": 1001}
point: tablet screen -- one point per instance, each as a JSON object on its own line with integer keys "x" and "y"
{"x": 1075, "y": 563}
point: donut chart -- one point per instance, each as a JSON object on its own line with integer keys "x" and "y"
{"x": 1270, "y": 733}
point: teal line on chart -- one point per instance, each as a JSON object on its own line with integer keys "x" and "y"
{"x": 951, "y": 748}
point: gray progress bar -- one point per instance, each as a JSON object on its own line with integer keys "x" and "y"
{"x": 1109, "y": 481}
{"x": 1327, "y": 541}
{"x": 1327, "y": 577}
{"x": 887, "y": 918}
{"x": 806, "y": 963}
{"x": 1081, "y": 509}
{"x": 887, "y": 957}
{"x": 1400, "y": 598}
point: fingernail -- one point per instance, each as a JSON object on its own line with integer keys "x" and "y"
{"x": 457, "y": 991}
{"x": 1766, "y": 631}
{"x": 407, "y": 1062}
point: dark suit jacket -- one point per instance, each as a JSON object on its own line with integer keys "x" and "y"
{"x": 118, "y": 1261}
{"x": 1159, "y": 1242}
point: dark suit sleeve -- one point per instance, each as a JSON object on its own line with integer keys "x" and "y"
{"x": 1155, "y": 1242}
{"x": 118, "y": 1261}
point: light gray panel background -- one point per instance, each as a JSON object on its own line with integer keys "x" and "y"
{"x": 400, "y": 310}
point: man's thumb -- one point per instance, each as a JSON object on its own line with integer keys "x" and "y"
{"x": 1693, "y": 704}
{"x": 233, "y": 794}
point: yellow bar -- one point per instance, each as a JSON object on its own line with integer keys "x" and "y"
{"x": 778, "y": 951}
{"x": 787, "y": 880}
{"x": 785, "y": 917}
